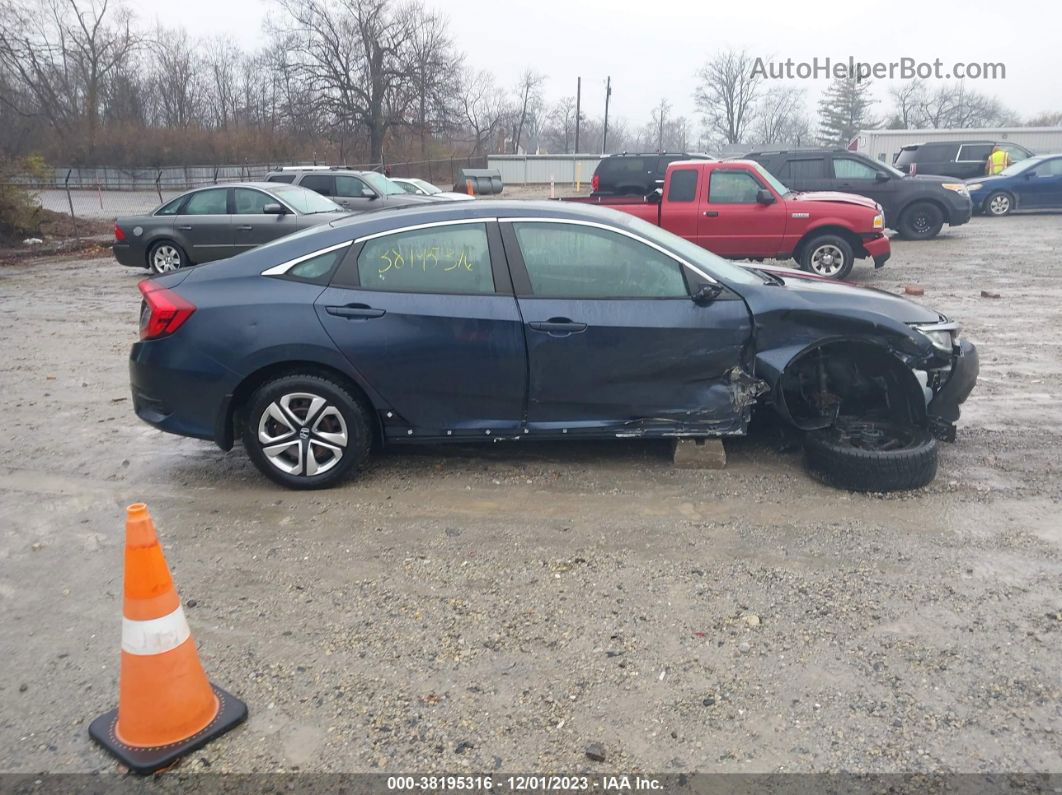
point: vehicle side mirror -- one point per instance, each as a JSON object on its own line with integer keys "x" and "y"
{"x": 764, "y": 196}
{"x": 655, "y": 196}
{"x": 368, "y": 193}
{"x": 274, "y": 208}
{"x": 881, "y": 176}
{"x": 706, "y": 293}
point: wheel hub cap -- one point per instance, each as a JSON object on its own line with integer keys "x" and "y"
{"x": 302, "y": 434}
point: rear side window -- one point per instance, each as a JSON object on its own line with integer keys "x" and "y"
{"x": 732, "y": 187}
{"x": 973, "y": 153}
{"x": 288, "y": 178}
{"x": 576, "y": 261}
{"x": 683, "y": 185}
{"x": 1050, "y": 168}
{"x": 805, "y": 168}
{"x": 440, "y": 259}
{"x": 319, "y": 183}
{"x": 208, "y": 202}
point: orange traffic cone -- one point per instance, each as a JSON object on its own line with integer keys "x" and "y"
{"x": 166, "y": 705}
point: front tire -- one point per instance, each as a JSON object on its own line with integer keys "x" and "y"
{"x": 871, "y": 455}
{"x": 165, "y": 256}
{"x": 921, "y": 221}
{"x": 306, "y": 432}
{"x": 828, "y": 255}
{"x": 999, "y": 204}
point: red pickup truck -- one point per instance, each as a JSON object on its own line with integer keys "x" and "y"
{"x": 736, "y": 209}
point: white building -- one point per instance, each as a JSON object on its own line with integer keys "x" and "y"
{"x": 884, "y": 145}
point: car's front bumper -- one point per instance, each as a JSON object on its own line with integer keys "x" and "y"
{"x": 943, "y": 409}
{"x": 877, "y": 248}
{"x": 960, "y": 209}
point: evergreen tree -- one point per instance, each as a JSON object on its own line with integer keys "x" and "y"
{"x": 844, "y": 110}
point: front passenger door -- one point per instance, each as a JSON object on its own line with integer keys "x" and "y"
{"x": 1044, "y": 189}
{"x": 855, "y": 176}
{"x": 615, "y": 343}
{"x": 252, "y": 226}
{"x": 205, "y": 223}
{"x": 353, "y": 193}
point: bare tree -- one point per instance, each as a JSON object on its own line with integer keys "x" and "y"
{"x": 781, "y": 117}
{"x": 435, "y": 68}
{"x": 221, "y": 65}
{"x": 561, "y": 125}
{"x": 659, "y": 122}
{"x": 484, "y": 107}
{"x": 726, "y": 94}
{"x": 529, "y": 98}
{"x": 175, "y": 80}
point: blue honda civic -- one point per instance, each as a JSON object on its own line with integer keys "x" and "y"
{"x": 1031, "y": 184}
{"x": 488, "y": 321}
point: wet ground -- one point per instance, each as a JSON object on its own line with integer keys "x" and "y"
{"x": 500, "y": 608}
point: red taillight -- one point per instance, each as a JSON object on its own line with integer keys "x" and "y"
{"x": 595, "y": 183}
{"x": 164, "y": 311}
{"x": 119, "y": 235}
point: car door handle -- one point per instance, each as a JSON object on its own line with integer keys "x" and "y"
{"x": 245, "y": 228}
{"x": 558, "y": 326}
{"x": 185, "y": 228}
{"x": 355, "y": 311}
{"x": 711, "y": 213}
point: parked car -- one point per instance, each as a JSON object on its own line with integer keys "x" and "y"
{"x": 634, "y": 174}
{"x": 736, "y": 209}
{"x": 1033, "y": 184}
{"x": 916, "y": 207}
{"x": 959, "y": 159}
{"x": 508, "y": 320}
{"x": 216, "y": 222}
{"x": 420, "y": 187}
{"x": 357, "y": 191}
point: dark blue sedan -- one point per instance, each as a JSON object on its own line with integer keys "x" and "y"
{"x": 524, "y": 320}
{"x": 1031, "y": 184}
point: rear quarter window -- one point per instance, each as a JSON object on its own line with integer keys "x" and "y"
{"x": 287, "y": 178}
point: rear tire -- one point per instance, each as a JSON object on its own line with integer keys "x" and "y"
{"x": 921, "y": 221}
{"x": 868, "y": 455}
{"x": 999, "y": 204}
{"x": 827, "y": 255}
{"x": 165, "y": 256}
{"x": 306, "y": 432}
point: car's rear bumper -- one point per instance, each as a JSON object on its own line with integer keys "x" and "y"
{"x": 877, "y": 248}
{"x": 127, "y": 255}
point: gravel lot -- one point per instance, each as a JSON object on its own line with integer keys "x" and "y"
{"x": 500, "y": 608}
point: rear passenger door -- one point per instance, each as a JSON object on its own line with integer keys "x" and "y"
{"x": 805, "y": 173}
{"x": 253, "y": 227}
{"x": 325, "y": 184}
{"x": 205, "y": 223}
{"x": 427, "y": 317}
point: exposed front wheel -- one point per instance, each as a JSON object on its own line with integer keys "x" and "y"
{"x": 306, "y": 432}
{"x": 165, "y": 257}
{"x": 999, "y": 204}
{"x": 872, "y": 455}
{"x": 921, "y": 221}
{"x": 828, "y": 255}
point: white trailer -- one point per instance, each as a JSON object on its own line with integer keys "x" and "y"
{"x": 884, "y": 145}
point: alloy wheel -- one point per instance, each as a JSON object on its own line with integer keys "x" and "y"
{"x": 999, "y": 204}
{"x": 302, "y": 434}
{"x": 827, "y": 260}
{"x": 165, "y": 258}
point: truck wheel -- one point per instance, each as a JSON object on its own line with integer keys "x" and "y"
{"x": 827, "y": 255}
{"x": 921, "y": 221}
{"x": 999, "y": 204}
{"x": 871, "y": 455}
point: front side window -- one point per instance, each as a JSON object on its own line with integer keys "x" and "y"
{"x": 439, "y": 259}
{"x": 1015, "y": 153}
{"x": 208, "y": 202}
{"x": 848, "y": 168}
{"x": 351, "y": 186}
{"x": 577, "y": 261}
{"x": 732, "y": 187}
{"x": 683, "y": 185}
{"x": 252, "y": 202}
{"x": 305, "y": 201}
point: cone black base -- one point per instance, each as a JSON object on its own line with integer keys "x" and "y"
{"x": 231, "y": 713}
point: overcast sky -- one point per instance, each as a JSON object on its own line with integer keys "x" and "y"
{"x": 652, "y": 50}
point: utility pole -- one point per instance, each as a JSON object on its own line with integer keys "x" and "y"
{"x": 608, "y": 96}
{"x": 578, "y": 107}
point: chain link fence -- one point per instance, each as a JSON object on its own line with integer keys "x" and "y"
{"x": 94, "y": 197}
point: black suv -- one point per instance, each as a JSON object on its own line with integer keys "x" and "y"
{"x": 916, "y": 207}
{"x": 635, "y": 174}
{"x": 960, "y": 159}
{"x": 356, "y": 191}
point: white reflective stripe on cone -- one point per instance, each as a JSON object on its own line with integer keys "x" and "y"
{"x": 155, "y": 636}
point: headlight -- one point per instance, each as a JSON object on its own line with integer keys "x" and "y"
{"x": 974, "y": 186}
{"x": 879, "y": 221}
{"x": 958, "y": 187}
{"x": 943, "y": 336}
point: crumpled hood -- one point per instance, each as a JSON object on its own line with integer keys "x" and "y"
{"x": 836, "y": 197}
{"x": 803, "y": 290}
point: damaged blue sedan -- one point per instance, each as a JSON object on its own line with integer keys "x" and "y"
{"x": 536, "y": 320}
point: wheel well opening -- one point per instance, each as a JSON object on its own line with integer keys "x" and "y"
{"x": 847, "y": 235}
{"x": 849, "y": 379}
{"x": 235, "y": 417}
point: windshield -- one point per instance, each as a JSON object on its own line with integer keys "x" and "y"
{"x": 427, "y": 187}
{"x": 710, "y": 263}
{"x": 1016, "y": 168}
{"x": 894, "y": 171}
{"x": 305, "y": 202}
{"x": 781, "y": 189}
{"x": 381, "y": 184}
